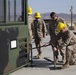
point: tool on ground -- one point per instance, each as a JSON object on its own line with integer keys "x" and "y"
{"x": 53, "y": 53}
{"x": 54, "y": 58}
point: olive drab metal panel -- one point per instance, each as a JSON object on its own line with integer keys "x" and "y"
{"x": 14, "y": 46}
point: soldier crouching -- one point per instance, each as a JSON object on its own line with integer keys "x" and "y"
{"x": 68, "y": 40}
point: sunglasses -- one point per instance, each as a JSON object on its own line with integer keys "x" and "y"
{"x": 53, "y": 16}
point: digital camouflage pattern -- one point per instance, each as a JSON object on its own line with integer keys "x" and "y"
{"x": 52, "y": 29}
{"x": 68, "y": 40}
{"x": 30, "y": 20}
{"x": 39, "y": 31}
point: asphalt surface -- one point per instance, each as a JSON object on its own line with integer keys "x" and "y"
{"x": 45, "y": 66}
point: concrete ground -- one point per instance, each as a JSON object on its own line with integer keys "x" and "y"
{"x": 44, "y": 66}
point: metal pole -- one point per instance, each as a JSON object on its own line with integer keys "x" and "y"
{"x": 5, "y": 10}
{"x": 31, "y": 56}
{"x": 14, "y": 10}
{"x": 24, "y": 7}
{"x": 8, "y": 10}
{"x": 53, "y": 54}
{"x": 71, "y": 10}
{"x": 54, "y": 58}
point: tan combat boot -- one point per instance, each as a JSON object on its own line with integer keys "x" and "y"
{"x": 39, "y": 56}
{"x": 57, "y": 60}
{"x": 66, "y": 65}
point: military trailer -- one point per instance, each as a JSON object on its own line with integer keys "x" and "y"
{"x": 14, "y": 47}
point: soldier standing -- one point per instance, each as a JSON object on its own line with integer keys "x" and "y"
{"x": 53, "y": 32}
{"x": 30, "y": 20}
{"x": 68, "y": 41}
{"x": 39, "y": 30}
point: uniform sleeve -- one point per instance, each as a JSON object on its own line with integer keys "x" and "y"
{"x": 32, "y": 24}
{"x": 69, "y": 38}
{"x": 32, "y": 27}
{"x": 50, "y": 30}
{"x": 66, "y": 42}
{"x": 44, "y": 29}
{"x": 58, "y": 36}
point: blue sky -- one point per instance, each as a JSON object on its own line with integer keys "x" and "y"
{"x": 59, "y": 6}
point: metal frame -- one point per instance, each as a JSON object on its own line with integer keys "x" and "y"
{"x": 25, "y": 22}
{"x": 14, "y": 10}
{"x": 4, "y": 10}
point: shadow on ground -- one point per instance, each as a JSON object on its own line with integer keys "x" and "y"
{"x": 46, "y": 63}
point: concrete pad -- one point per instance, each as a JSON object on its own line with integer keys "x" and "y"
{"x": 44, "y": 66}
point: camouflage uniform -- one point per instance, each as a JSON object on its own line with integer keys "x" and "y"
{"x": 30, "y": 20}
{"x": 53, "y": 32}
{"x": 39, "y": 30}
{"x": 68, "y": 41}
